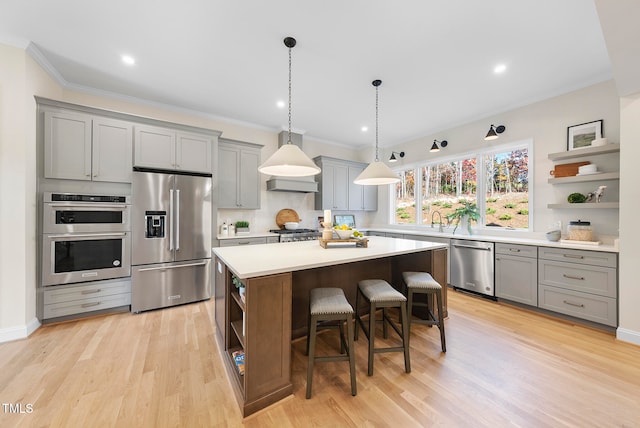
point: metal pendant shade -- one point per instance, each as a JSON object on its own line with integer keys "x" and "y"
{"x": 289, "y": 160}
{"x": 377, "y": 173}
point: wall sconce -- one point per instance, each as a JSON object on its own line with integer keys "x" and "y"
{"x": 434, "y": 147}
{"x": 393, "y": 156}
{"x": 494, "y": 131}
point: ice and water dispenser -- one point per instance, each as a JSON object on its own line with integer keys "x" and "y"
{"x": 154, "y": 221}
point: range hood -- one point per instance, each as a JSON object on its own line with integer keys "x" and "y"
{"x": 288, "y": 184}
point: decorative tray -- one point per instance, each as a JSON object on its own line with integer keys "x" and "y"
{"x": 356, "y": 242}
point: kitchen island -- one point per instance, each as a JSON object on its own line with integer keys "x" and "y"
{"x": 277, "y": 278}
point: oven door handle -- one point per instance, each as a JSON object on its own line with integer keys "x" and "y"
{"x": 75, "y": 236}
{"x": 92, "y": 207}
{"x": 172, "y": 267}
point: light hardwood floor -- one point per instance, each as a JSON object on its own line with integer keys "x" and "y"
{"x": 505, "y": 366}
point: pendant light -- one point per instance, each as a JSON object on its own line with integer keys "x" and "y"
{"x": 289, "y": 160}
{"x": 377, "y": 172}
{"x": 494, "y": 131}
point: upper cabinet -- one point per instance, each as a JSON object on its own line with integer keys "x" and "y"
{"x": 587, "y": 153}
{"x": 238, "y": 176}
{"x": 337, "y": 190}
{"x": 85, "y": 147}
{"x": 165, "y": 148}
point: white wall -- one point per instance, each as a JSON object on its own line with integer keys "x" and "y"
{"x": 546, "y": 123}
{"x": 629, "y": 290}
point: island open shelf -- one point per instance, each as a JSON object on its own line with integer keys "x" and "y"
{"x": 278, "y": 278}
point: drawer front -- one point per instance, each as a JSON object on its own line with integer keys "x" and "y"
{"x": 374, "y": 233}
{"x": 595, "y": 258}
{"x": 516, "y": 250}
{"x": 394, "y": 235}
{"x": 273, "y": 239}
{"x": 242, "y": 241}
{"x": 598, "y": 309}
{"x": 583, "y": 278}
{"x": 87, "y": 305}
{"x": 71, "y": 293}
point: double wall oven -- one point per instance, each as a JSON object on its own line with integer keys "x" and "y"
{"x": 85, "y": 238}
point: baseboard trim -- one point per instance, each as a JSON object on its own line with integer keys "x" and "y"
{"x": 628, "y": 336}
{"x": 19, "y": 332}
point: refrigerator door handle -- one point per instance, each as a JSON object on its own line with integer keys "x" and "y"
{"x": 171, "y": 220}
{"x": 172, "y": 267}
{"x": 177, "y": 219}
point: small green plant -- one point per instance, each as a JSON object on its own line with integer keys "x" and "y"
{"x": 505, "y": 217}
{"x": 236, "y": 282}
{"x": 405, "y": 215}
{"x": 523, "y": 212}
{"x": 446, "y": 205}
{"x": 576, "y": 198}
{"x": 436, "y": 203}
{"x": 524, "y": 201}
{"x": 468, "y": 210}
{"x": 510, "y": 205}
{"x": 400, "y": 210}
{"x": 492, "y": 199}
{"x": 242, "y": 223}
{"x": 491, "y": 210}
{"x": 462, "y": 201}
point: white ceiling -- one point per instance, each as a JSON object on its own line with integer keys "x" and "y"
{"x": 226, "y": 58}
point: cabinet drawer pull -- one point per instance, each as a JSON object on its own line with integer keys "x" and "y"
{"x": 515, "y": 250}
{"x": 97, "y": 290}
{"x": 244, "y": 243}
{"x": 573, "y": 277}
{"x": 573, "y": 256}
{"x": 577, "y": 305}
{"x": 88, "y": 305}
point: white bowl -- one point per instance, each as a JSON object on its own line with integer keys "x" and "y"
{"x": 344, "y": 234}
{"x": 291, "y": 225}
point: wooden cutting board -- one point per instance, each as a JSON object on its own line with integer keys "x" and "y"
{"x": 285, "y": 216}
{"x": 567, "y": 169}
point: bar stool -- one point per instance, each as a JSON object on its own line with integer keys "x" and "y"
{"x": 423, "y": 283}
{"x": 330, "y": 304}
{"x": 379, "y": 294}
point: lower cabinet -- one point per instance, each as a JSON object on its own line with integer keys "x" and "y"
{"x": 232, "y": 242}
{"x": 75, "y": 299}
{"x": 516, "y": 272}
{"x": 579, "y": 283}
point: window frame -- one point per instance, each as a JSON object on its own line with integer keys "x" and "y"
{"x": 481, "y": 183}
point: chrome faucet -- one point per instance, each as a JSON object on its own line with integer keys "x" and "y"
{"x": 440, "y": 223}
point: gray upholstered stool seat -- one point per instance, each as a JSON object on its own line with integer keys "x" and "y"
{"x": 379, "y": 294}
{"x": 423, "y": 283}
{"x": 330, "y": 304}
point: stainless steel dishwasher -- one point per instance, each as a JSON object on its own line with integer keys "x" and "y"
{"x": 472, "y": 266}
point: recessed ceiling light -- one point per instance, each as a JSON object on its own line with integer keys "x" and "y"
{"x": 364, "y": 128}
{"x": 281, "y": 104}
{"x": 500, "y": 68}
{"x": 128, "y": 59}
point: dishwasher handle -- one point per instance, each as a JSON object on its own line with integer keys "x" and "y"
{"x": 472, "y": 247}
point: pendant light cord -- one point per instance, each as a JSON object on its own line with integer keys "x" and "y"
{"x": 289, "y": 139}
{"x": 377, "y": 159}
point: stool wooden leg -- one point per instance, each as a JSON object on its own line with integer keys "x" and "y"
{"x": 308, "y": 330}
{"x": 441, "y": 321}
{"x": 357, "y": 320}
{"x": 311, "y": 340}
{"x": 405, "y": 337}
{"x": 351, "y": 351}
{"x": 372, "y": 335}
{"x": 409, "y": 310}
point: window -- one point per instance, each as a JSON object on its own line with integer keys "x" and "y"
{"x": 426, "y": 194}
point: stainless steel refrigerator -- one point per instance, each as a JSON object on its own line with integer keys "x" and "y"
{"x": 171, "y": 239}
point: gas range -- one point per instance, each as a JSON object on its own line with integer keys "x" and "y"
{"x": 297, "y": 234}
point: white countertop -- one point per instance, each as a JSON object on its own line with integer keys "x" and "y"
{"x": 268, "y": 259}
{"x": 502, "y": 239}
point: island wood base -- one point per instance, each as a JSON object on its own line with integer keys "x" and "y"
{"x": 275, "y": 310}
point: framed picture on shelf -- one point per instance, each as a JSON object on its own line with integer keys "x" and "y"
{"x": 581, "y": 136}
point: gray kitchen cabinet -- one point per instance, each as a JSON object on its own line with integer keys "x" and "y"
{"x": 75, "y": 299}
{"x": 364, "y": 198}
{"x": 579, "y": 283}
{"x": 234, "y": 242}
{"x": 336, "y": 188}
{"x": 170, "y": 149}
{"x": 80, "y": 146}
{"x": 516, "y": 270}
{"x": 238, "y": 176}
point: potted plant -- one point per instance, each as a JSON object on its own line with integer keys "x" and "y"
{"x": 242, "y": 227}
{"x": 239, "y": 285}
{"x": 464, "y": 215}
